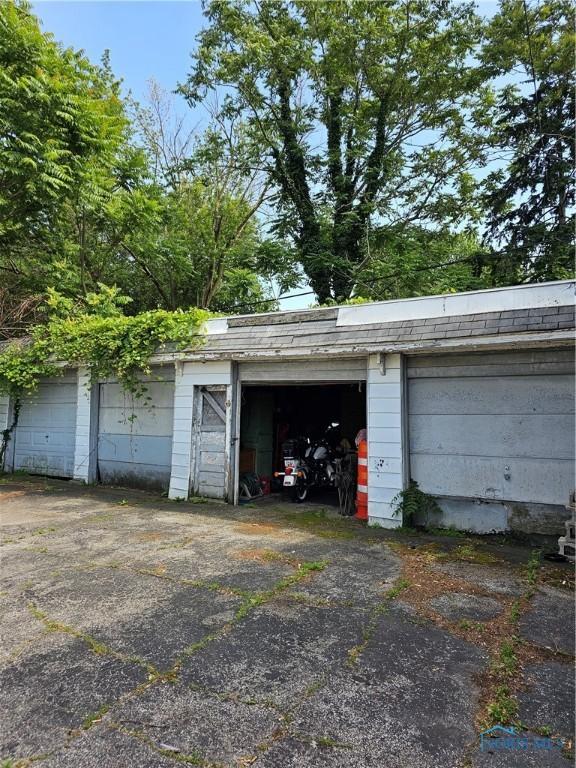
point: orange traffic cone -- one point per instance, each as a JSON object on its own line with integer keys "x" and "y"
{"x": 362, "y": 492}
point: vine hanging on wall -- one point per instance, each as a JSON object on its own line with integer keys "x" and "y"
{"x": 97, "y": 335}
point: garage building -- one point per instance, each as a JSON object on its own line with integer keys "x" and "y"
{"x": 470, "y": 395}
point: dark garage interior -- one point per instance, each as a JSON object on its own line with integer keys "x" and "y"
{"x": 272, "y": 415}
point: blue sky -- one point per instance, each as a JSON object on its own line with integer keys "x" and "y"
{"x": 146, "y": 40}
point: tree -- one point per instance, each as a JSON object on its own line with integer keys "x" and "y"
{"x": 531, "y": 199}
{"x": 61, "y": 127}
{"x": 411, "y": 261}
{"x": 88, "y": 197}
{"x": 165, "y": 135}
{"x": 339, "y": 95}
{"x": 208, "y": 246}
{"x": 54, "y": 116}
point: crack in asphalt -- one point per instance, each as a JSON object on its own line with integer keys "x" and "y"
{"x": 278, "y": 593}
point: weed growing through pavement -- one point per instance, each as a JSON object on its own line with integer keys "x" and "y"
{"x": 382, "y": 607}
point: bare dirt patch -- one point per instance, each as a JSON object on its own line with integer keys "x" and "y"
{"x": 12, "y": 495}
{"x": 153, "y": 535}
{"x": 259, "y": 529}
{"x": 264, "y": 556}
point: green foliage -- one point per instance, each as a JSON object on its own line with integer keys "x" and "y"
{"x": 412, "y": 502}
{"x": 99, "y": 336}
{"x": 477, "y": 626}
{"x": 409, "y": 260}
{"x": 359, "y": 109}
{"x": 56, "y": 113}
{"x": 63, "y": 127}
{"x": 532, "y": 571}
{"x": 504, "y": 669}
{"x": 530, "y": 198}
{"x": 201, "y": 250}
{"x": 469, "y": 553}
{"x": 81, "y": 202}
{"x": 515, "y": 611}
{"x": 361, "y": 127}
{"x": 507, "y": 662}
{"x": 503, "y": 709}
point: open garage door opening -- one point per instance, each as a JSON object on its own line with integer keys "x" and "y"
{"x": 315, "y": 425}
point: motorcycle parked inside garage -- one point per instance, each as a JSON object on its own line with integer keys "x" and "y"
{"x": 307, "y": 464}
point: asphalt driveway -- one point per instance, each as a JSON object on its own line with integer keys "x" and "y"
{"x": 141, "y": 632}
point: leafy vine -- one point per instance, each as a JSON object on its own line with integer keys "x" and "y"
{"x": 96, "y": 335}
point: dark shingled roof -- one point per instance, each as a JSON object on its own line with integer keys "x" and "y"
{"x": 316, "y": 331}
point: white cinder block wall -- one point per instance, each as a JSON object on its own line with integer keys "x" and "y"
{"x": 188, "y": 376}
{"x": 385, "y": 449}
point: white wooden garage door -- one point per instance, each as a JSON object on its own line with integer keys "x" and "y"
{"x": 493, "y": 426}
{"x": 211, "y": 476}
{"x": 45, "y": 436}
{"x": 135, "y": 434}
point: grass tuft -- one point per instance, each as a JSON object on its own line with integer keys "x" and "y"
{"x": 95, "y": 717}
{"x": 356, "y": 651}
{"x": 503, "y": 709}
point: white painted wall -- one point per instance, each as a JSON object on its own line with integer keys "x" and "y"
{"x": 188, "y": 376}
{"x": 83, "y": 447}
{"x": 44, "y": 439}
{"x": 4, "y": 408}
{"x": 298, "y": 371}
{"x": 385, "y": 451}
{"x": 492, "y": 437}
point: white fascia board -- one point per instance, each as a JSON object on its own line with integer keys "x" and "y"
{"x": 531, "y": 296}
{"x": 469, "y": 343}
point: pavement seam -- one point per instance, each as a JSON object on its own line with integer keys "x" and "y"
{"x": 367, "y": 633}
{"x": 211, "y": 586}
{"x": 94, "y": 645}
{"x": 283, "y": 596}
{"x": 188, "y": 758}
{"x": 378, "y": 610}
{"x": 304, "y": 571}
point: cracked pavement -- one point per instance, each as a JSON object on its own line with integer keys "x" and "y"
{"x": 141, "y": 632}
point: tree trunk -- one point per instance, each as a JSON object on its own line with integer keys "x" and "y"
{"x": 314, "y": 259}
{"x": 291, "y": 174}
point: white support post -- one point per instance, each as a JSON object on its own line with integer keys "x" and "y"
{"x": 189, "y": 375}
{"x": 85, "y": 444}
{"x": 385, "y": 437}
{"x": 4, "y": 411}
{"x": 6, "y": 417}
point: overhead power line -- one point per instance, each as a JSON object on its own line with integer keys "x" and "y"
{"x": 377, "y": 280}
